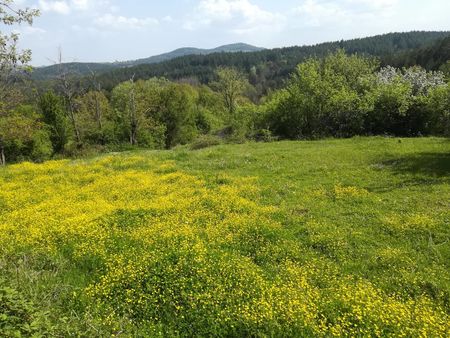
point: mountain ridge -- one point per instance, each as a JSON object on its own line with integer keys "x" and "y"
{"x": 271, "y": 66}
{"x": 239, "y": 47}
{"x": 84, "y": 68}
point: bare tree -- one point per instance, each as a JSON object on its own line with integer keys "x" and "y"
{"x": 69, "y": 92}
{"x": 97, "y": 90}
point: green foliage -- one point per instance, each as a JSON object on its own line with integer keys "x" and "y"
{"x": 431, "y": 56}
{"x": 95, "y": 118}
{"x": 400, "y": 102}
{"x": 263, "y": 135}
{"x": 243, "y": 122}
{"x": 178, "y": 114}
{"x": 205, "y": 141}
{"x": 20, "y": 318}
{"x": 211, "y": 113}
{"x": 23, "y": 136}
{"x": 438, "y": 107}
{"x": 41, "y": 146}
{"x": 134, "y": 106}
{"x": 343, "y": 96}
{"x": 391, "y": 104}
{"x": 338, "y": 95}
{"x": 445, "y": 68}
{"x": 10, "y": 56}
{"x": 166, "y": 114}
{"x": 268, "y": 69}
{"x": 323, "y": 97}
{"x": 291, "y": 239}
{"x": 231, "y": 84}
{"x": 52, "y": 109}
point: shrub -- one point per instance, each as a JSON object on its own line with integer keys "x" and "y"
{"x": 263, "y": 135}
{"x": 205, "y": 141}
{"x": 323, "y": 97}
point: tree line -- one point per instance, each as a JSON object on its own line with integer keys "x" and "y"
{"x": 268, "y": 69}
{"x": 337, "y": 94}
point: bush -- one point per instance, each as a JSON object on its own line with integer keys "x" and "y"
{"x": 205, "y": 141}
{"x": 41, "y": 147}
{"x": 264, "y": 135}
{"x": 438, "y": 108}
{"x": 323, "y": 98}
{"x": 52, "y": 110}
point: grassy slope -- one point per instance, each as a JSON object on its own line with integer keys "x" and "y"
{"x": 405, "y": 177}
{"x": 370, "y": 209}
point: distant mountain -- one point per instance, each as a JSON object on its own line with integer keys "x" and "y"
{"x": 266, "y": 68}
{"x": 82, "y": 68}
{"x": 233, "y": 48}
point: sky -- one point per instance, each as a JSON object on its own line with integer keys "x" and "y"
{"x": 112, "y": 30}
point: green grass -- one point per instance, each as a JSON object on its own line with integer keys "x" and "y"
{"x": 405, "y": 177}
{"x": 375, "y": 210}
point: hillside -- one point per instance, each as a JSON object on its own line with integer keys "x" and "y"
{"x": 431, "y": 57}
{"x": 232, "y": 48}
{"x": 270, "y": 68}
{"x": 81, "y": 68}
{"x": 296, "y": 239}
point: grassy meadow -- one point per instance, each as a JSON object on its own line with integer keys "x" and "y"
{"x": 288, "y": 239}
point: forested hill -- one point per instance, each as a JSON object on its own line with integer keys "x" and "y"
{"x": 269, "y": 68}
{"x": 430, "y": 57}
{"x": 232, "y": 48}
{"x": 82, "y": 68}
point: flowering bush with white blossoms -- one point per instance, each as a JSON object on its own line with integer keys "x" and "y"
{"x": 420, "y": 80}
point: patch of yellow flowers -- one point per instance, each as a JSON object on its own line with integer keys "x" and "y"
{"x": 181, "y": 256}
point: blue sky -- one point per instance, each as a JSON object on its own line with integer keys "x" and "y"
{"x": 109, "y": 30}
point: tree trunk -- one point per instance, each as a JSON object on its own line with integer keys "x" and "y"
{"x": 74, "y": 121}
{"x": 99, "y": 118}
{"x": 133, "y": 118}
{"x": 98, "y": 113}
{"x": 2, "y": 155}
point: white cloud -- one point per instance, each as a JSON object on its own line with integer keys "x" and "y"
{"x": 244, "y": 15}
{"x": 28, "y": 30}
{"x": 374, "y": 4}
{"x": 81, "y": 4}
{"x": 122, "y": 22}
{"x": 67, "y": 6}
{"x": 316, "y": 13}
{"x": 342, "y": 12}
{"x": 167, "y": 19}
{"x": 60, "y": 7}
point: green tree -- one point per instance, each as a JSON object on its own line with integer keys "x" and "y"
{"x": 52, "y": 110}
{"x": 231, "y": 84}
{"x": 178, "y": 114}
{"x": 10, "y": 56}
{"x": 323, "y": 97}
{"x": 211, "y": 114}
{"x": 135, "y": 105}
{"x": 22, "y": 134}
{"x": 400, "y": 101}
{"x": 438, "y": 108}
{"x": 392, "y": 102}
{"x": 95, "y": 118}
